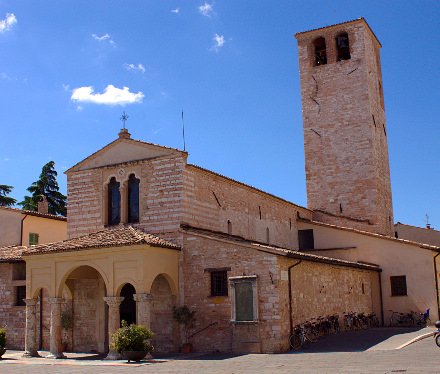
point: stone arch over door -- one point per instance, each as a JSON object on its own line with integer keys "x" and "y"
{"x": 88, "y": 309}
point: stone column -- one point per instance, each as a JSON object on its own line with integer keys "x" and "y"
{"x": 114, "y": 322}
{"x": 143, "y": 307}
{"x": 56, "y": 350}
{"x": 30, "y": 341}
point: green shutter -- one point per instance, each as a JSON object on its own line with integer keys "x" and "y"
{"x": 33, "y": 238}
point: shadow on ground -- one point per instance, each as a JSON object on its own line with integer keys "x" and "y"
{"x": 355, "y": 341}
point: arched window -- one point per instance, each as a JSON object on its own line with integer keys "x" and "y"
{"x": 320, "y": 51}
{"x": 133, "y": 199}
{"x": 343, "y": 46}
{"x": 114, "y": 202}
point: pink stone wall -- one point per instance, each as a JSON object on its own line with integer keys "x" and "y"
{"x": 346, "y": 152}
{"x": 211, "y": 201}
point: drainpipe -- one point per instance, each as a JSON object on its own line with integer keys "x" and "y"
{"x": 436, "y": 284}
{"x": 381, "y": 298}
{"x": 290, "y": 295}
{"x": 21, "y": 229}
{"x": 40, "y": 343}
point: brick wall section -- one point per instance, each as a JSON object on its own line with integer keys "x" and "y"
{"x": 241, "y": 206}
{"x": 12, "y": 317}
{"x": 346, "y": 154}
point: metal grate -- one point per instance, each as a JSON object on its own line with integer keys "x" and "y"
{"x": 219, "y": 283}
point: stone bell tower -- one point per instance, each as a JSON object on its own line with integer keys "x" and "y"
{"x": 345, "y": 136}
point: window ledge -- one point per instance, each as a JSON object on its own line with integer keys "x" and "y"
{"x": 245, "y": 322}
{"x": 398, "y": 295}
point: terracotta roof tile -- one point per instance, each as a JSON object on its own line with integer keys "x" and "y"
{"x": 11, "y": 253}
{"x": 114, "y": 237}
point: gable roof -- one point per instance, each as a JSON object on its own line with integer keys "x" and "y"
{"x": 114, "y": 237}
{"x": 142, "y": 154}
{"x": 32, "y": 213}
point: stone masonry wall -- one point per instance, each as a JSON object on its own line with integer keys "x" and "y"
{"x": 211, "y": 201}
{"x": 345, "y": 144}
{"x": 12, "y": 317}
{"x": 161, "y": 194}
{"x": 321, "y": 289}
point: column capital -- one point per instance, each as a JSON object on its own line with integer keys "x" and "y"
{"x": 114, "y": 301}
{"x": 56, "y": 300}
{"x": 142, "y": 297}
{"x": 30, "y": 302}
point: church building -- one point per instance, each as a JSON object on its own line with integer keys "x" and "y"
{"x": 147, "y": 231}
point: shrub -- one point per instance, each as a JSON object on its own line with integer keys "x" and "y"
{"x": 186, "y": 317}
{"x": 2, "y": 338}
{"x": 132, "y": 338}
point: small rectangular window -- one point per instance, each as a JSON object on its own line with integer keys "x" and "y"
{"x": 306, "y": 239}
{"x": 398, "y": 285}
{"x": 244, "y": 298}
{"x": 33, "y": 238}
{"x": 219, "y": 283}
{"x": 20, "y": 294}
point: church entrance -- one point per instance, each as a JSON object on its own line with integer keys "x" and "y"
{"x": 127, "y": 310}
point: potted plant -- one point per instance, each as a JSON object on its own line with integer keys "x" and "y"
{"x": 132, "y": 341}
{"x": 2, "y": 341}
{"x": 66, "y": 324}
{"x": 185, "y": 317}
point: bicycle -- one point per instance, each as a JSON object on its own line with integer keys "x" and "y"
{"x": 401, "y": 319}
{"x": 300, "y": 338}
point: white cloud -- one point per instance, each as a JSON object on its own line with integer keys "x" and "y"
{"x": 206, "y": 9}
{"x": 111, "y": 96}
{"x": 177, "y": 10}
{"x": 133, "y": 67}
{"x": 219, "y": 42}
{"x": 103, "y": 38}
{"x": 7, "y": 23}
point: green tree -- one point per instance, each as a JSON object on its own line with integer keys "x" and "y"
{"x": 46, "y": 186}
{"x": 5, "y": 200}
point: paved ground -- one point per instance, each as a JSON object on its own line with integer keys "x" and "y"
{"x": 371, "y": 351}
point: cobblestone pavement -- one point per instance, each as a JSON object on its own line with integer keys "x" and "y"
{"x": 362, "y": 352}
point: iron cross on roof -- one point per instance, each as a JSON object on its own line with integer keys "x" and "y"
{"x": 124, "y": 118}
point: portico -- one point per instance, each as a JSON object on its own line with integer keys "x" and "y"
{"x": 87, "y": 278}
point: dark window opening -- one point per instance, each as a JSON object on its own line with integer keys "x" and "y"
{"x": 244, "y": 301}
{"x": 259, "y": 210}
{"x": 343, "y": 47}
{"x": 133, "y": 199}
{"x": 396, "y": 234}
{"x": 127, "y": 308}
{"x": 114, "y": 202}
{"x": 20, "y": 294}
{"x": 320, "y": 51}
{"x": 229, "y": 227}
{"x": 290, "y": 223}
{"x": 33, "y": 238}
{"x": 398, "y": 285}
{"x": 306, "y": 239}
{"x": 267, "y": 235}
{"x": 219, "y": 283}
{"x": 363, "y": 289}
{"x": 19, "y": 271}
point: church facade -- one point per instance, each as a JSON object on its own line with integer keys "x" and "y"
{"x": 148, "y": 231}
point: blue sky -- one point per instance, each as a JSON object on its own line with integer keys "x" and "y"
{"x": 230, "y": 65}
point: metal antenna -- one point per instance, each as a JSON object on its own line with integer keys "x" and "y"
{"x": 428, "y": 225}
{"x": 124, "y": 118}
{"x": 183, "y": 133}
